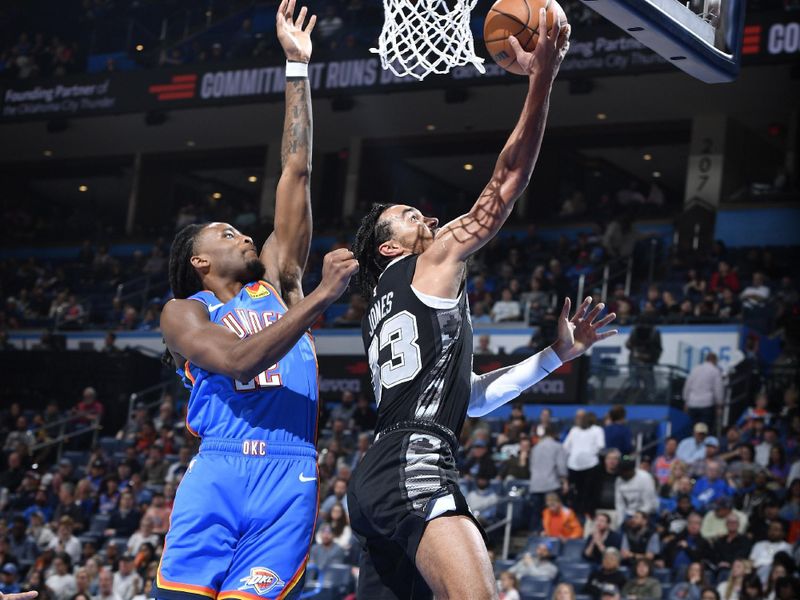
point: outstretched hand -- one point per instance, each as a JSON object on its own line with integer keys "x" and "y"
{"x": 294, "y": 36}
{"x": 21, "y": 596}
{"x": 578, "y": 334}
{"x": 551, "y": 48}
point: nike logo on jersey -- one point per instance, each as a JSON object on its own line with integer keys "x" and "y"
{"x": 215, "y": 306}
{"x": 305, "y": 479}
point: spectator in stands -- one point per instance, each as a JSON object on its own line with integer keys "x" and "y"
{"x": 62, "y": 582}
{"x": 158, "y": 514}
{"x": 731, "y": 588}
{"x": 548, "y": 469}
{"x": 778, "y": 571}
{"x": 715, "y": 522}
{"x": 757, "y": 293}
{"x": 635, "y": 490}
{"x": 703, "y": 391}
{"x": 143, "y": 535}
{"x": 699, "y": 468}
{"x": 89, "y": 407}
{"x": 644, "y": 344}
{"x": 759, "y": 411}
{"x": 688, "y": 546}
{"x": 20, "y": 435}
{"x": 639, "y": 539}
{"x": 608, "y": 573}
{"x": 8, "y": 576}
{"x": 479, "y": 314}
{"x": 617, "y": 434}
{"x": 559, "y": 521}
{"x": 732, "y": 546}
{"x": 728, "y": 306}
{"x": 479, "y": 461}
{"x": 483, "y": 500}
{"x": 764, "y": 448}
{"x": 125, "y": 519}
{"x": 364, "y": 416}
{"x": 690, "y": 589}
{"x": 127, "y": 582}
{"x": 643, "y": 586}
{"x": 711, "y": 487}
{"x": 484, "y": 345}
{"x": 693, "y": 448}
{"x": 603, "y": 483}
{"x": 724, "y": 277}
{"x": 743, "y": 466}
{"x": 155, "y": 467}
{"x": 176, "y": 469}
{"x": 602, "y": 537}
{"x": 340, "y": 527}
{"x": 564, "y": 591}
{"x": 339, "y": 496}
{"x": 329, "y": 25}
{"x": 326, "y": 552}
{"x": 345, "y": 409}
{"x": 582, "y": 445}
{"x": 20, "y": 544}
{"x": 764, "y": 552}
{"x": 106, "y": 585}
{"x": 68, "y": 506}
{"x": 540, "y": 566}
{"x": 663, "y": 464}
{"x": 508, "y": 586}
{"x": 752, "y": 588}
{"x": 506, "y": 309}
{"x": 763, "y": 517}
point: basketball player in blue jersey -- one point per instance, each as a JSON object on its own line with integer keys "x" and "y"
{"x": 244, "y": 514}
{"x": 419, "y": 536}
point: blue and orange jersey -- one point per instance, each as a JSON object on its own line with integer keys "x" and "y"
{"x": 280, "y": 404}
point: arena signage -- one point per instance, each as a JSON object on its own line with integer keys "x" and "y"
{"x": 601, "y": 50}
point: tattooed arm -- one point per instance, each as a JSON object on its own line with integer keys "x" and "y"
{"x": 286, "y": 251}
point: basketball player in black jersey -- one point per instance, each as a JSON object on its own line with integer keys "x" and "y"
{"x": 419, "y": 537}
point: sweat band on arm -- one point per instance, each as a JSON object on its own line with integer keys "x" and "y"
{"x": 492, "y": 390}
{"x": 296, "y": 69}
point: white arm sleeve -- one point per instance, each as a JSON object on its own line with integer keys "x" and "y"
{"x": 492, "y": 390}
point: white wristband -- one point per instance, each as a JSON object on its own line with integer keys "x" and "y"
{"x": 296, "y": 69}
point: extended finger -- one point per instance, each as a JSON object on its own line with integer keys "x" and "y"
{"x": 311, "y": 22}
{"x": 290, "y": 10}
{"x": 516, "y": 47}
{"x": 555, "y": 28}
{"x": 542, "y": 31}
{"x": 281, "y": 10}
{"x": 565, "y": 309}
{"x": 606, "y": 334}
{"x": 301, "y": 17}
{"x": 595, "y": 311}
{"x": 582, "y": 309}
{"x": 604, "y": 321}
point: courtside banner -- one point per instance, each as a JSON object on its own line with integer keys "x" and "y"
{"x": 600, "y": 50}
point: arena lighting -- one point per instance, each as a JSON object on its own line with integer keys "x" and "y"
{"x": 602, "y": 116}
{"x": 139, "y": 47}
{"x": 647, "y": 156}
{"x": 48, "y": 152}
{"x": 656, "y": 174}
{"x": 430, "y": 127}
{"x": 190, "y": 143}
{"x": 468, "y": 166}
{"x": 83, "y": 188}
{"x": 252, "y": 179}
{"x": 216, "y": 195}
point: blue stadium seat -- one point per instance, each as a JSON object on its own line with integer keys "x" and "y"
{"x": 665, "y": 590}
{"x": 664, "y": 575}
{"x": 532, "y": 588}
{"x": 110, "y": 445}
{"x": 337, "y": 578}
{"x": 573, "y": 550}
{"x": 78, "y": 458}
{"x": 625, "y": 570}
{"x": 553, "y": 543}
{"x": 576, "y": 573}
{"x": 502, "y": 565}
{"x": 99, "y": 524}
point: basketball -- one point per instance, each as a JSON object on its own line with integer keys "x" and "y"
{"x": 521, "y": 19}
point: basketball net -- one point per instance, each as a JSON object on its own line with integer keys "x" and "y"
{"x": 420, "y": 37}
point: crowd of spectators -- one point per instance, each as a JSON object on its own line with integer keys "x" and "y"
{"x": 705, "y": 513}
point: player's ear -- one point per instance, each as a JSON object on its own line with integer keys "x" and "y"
{"x": 200, "y": 262}
{"x": 390, "y": 249}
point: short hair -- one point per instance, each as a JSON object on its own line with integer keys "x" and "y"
{"x": 617, "y": 412}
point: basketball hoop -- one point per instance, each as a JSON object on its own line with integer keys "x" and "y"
{"x": 420, "y": 37}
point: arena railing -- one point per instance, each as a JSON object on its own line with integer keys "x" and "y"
{"x": 613, "y": 270}
{"x": 64, "y": 433}
{"x": 141, "y": 397}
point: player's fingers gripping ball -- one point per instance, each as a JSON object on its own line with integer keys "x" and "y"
{"x": 518, "y": 18}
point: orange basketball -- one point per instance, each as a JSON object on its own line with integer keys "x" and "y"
{"x": 519, "y": 18}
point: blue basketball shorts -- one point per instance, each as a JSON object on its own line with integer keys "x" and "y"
{"x": 242, "y": 523}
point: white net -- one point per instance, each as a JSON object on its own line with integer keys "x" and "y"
{"x": 420, "y": 37}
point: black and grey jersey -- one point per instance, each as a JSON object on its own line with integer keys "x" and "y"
{"x": 419, "y": 350}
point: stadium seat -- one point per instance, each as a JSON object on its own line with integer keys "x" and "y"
{"x": 576, "y": 573}
{"x": 502, "y": 565}
{"x": 663, "y": 575}
{"x": 665, "y": 590}
{"x": 338, "y": 578}
{"x": 99, "y": 524}
{"x": 110, "y": 445}
{"x": 573, "y": 550}
{"x": 625, "y": 570}
{"x": 78, "y": 458}
{"x": 533, "y": 588}
{"x": 553, "y": 543}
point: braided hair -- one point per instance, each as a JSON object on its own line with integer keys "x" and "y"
{"x": 371, "y": 233}
{"x": 183, "y": 278}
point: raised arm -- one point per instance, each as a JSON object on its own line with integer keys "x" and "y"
{"x": 460, "y": 238}
{"x": 190, "y": 334}
{"x": 575, "y": 336}
{"x": 286, "y": 251}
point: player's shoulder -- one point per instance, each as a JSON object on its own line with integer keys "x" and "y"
{"x": 182, "y": 308}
